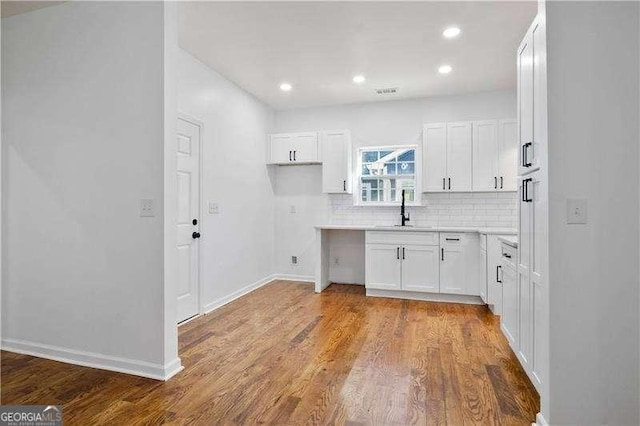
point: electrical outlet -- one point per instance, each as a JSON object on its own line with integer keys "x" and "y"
{"x": 577, "y": 211}
{"x": 294, "y": 260}
{"x": 147, "y": 208}
{"x": 214, "y": 208}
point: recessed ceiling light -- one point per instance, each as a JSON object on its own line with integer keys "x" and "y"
{"x": 358, "y": 79}
{"x": 285, "y": 87}
{"x": 451, "y": 32}
{"x": 445, "y": 69}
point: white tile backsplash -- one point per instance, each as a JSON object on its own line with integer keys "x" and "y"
{"x": 485, "y": 209}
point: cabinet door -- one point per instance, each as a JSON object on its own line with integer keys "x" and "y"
{"x": 452, "y": 269}
{"x": 336, "y": 162}
{"x": 383, "y": 267}
{"x": 485, "y": 156}
{"x": 420, "y": 268}
{"x": 459, "y": 154}
{"x": 509, "y": 320}
{"x": 525, "y": 105}
{"x": 305, "y": 147}
{"x": 483, "y": 276}
{"x": 280, "y": 150}
{"x": 494, "y": 274}
{"x": 525, "y": 317}
{"x": 434, "y": 157}
{"x": 508, "y": 154}
{"x": 524, "y": 225}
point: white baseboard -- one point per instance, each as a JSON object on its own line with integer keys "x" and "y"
{"x": 237, "y": 294}
{"x": 94, "y": 360}
{"x": 427, "y": 297}
{"x": 540, "y": 421}
{"x": 292, "y": 277}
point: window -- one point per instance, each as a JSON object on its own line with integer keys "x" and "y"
{"x": 384, "y": 172}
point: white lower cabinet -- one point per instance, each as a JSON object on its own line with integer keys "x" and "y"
{"x": 405, "y": 260}
{"x": 420, "y": 268}
{"x": 383, "y": 267}
{"x": 484, "y": 278}
{"x": 494, "y": 273}
{"x": 460, "y": 263}
{"x": 510, "y": 315}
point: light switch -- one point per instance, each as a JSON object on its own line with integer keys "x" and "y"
{"x": 576, "y": 211}
{"x": 147, "y": 208}
{"x": 213, "y": 208}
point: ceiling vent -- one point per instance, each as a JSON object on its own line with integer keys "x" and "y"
{"x": 387, "y": 91}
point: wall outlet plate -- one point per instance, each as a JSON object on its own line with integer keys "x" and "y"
{"x": 147, "y": 208}
{"x": 294, "y": 260}
{"x": 214, "y": 208}
{"x": 576, "y": 211}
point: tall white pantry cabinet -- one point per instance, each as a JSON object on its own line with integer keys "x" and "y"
{"x": 532, "y": 285}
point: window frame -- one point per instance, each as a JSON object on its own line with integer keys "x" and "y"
{"x": 417, "y": 169}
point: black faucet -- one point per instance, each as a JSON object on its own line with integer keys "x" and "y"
{"x": 404, "y": 218}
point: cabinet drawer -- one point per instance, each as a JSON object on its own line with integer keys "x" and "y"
{"x": 453, "y": 238}
{"x": 509, "y": 256}
{"x": 402, "y": 237}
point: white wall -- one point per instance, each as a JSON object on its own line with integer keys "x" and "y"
{"x": 83, "y": 133}
{"x": 237, "y": 244}
{"x": 593, "y": 104}
{"x": 380, "y": 123}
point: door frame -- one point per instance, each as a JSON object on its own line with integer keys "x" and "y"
{"x": 196, "y": 122}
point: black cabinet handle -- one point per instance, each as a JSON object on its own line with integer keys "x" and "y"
{"x": 194, "y": 221}
{"x": 452, "y": 239}
{"x": 501, "y": 183}
{"x": 525, "y": 190}
{"x": 195, "y": 235}
{"x": 525, "y": 150}
{"x": 398, "y": 253}
{"x": 289, "y": 155}
{"x": 442, "y": 254}
{"x": 294, "y": 155}
{"x": 498, "y": 274}
{"x": 402, "y": 253}
{"x": 449, "y": 183}
{"x": 507, "y": 255}
{"x": 344, "y": 185}
{"x": 495, "y": 182}
{"x": 444, "y": 183}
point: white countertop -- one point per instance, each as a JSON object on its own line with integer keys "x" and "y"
{"x": 510, "y": 240}
{"x": 481, "y": 230}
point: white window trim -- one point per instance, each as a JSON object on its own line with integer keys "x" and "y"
{"x": 417, "y": 176}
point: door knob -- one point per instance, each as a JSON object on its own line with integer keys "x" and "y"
{"x": 195, "y": 235}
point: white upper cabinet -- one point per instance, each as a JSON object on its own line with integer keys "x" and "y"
{"x": 336, "y": 162}
{"x": 459, "y": 154}
{"x": 447, "y": 157}
{"x": 486, "y": 169}
{"x": 508, "y": 154}
{"x": 434, "y": 158}
{"x": 494, "y": 155}
{"x": 292, "y": 148}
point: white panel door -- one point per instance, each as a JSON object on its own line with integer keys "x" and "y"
{"x": 525, "y": 104}
{"x": 336, "y": 162}
{"x": 305, "y": 147}
{"x": 452, "y": 270}
{"x": 420, "y": 268}
{"x": 485, "y": 156}
{"x": 281, "y": 152}
{"x": 508, "y": 154}
{"x": 434, "y": 157}
{"x": 383, "y": 267}
{"x": 459, "y": 155}
{"x": 188, "y": 179}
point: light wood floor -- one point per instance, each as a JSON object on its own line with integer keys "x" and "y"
{"x": 285, "y": 355}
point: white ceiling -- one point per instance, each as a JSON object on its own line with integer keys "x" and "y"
{"x": 319, "y": 46}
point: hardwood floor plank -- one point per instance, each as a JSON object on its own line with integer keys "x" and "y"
{"x": 285, "y": 355}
